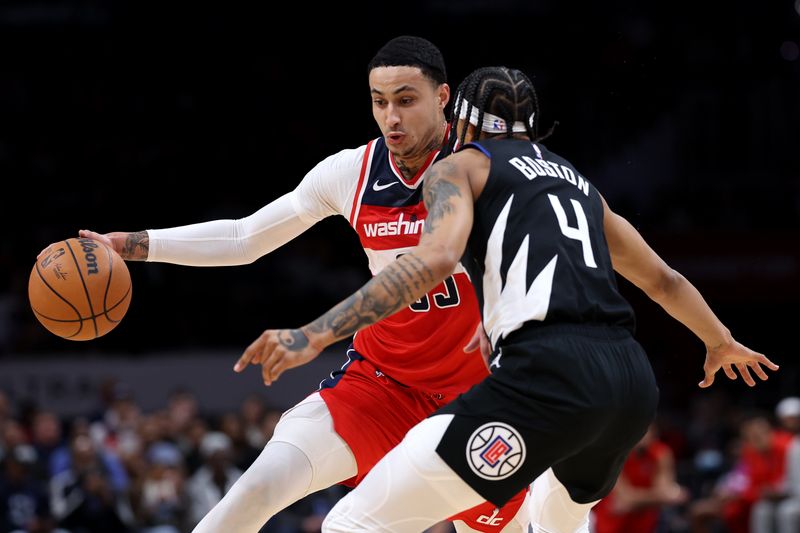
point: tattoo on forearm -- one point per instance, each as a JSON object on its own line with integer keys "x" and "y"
{"x": 420, "y": 265}
{"x": 393, "y": 288}
{"x": 136, "y": 246}
{"x": 436, "y": 193}
{"x": 293, "y": 339}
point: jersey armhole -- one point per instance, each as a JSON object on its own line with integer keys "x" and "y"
{"x": 477, "y": 146}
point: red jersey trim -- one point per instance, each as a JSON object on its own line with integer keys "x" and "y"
{"x": 365, "y": 164}
{"x": 416, "y": 179}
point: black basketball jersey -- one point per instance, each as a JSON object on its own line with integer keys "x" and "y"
{"x": 537, "y": 253}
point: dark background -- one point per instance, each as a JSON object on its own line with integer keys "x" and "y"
{"x": 126, "y": 116}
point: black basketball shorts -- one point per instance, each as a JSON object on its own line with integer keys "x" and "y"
{"x": 574, "y": 398}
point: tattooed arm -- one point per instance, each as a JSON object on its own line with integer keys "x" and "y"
{"x": 449, "y": 199}
{"x": 131, "y": 246}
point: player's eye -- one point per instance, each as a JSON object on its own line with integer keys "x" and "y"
{"x": 407, "y": 100}
{"x": 379, "y": 102}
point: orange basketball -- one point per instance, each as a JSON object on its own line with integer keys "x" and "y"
{"x": 79, "y": 289}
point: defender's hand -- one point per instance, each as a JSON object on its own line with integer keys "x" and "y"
{"x": 735, "y": 354}
{"x": 278, "y": 350}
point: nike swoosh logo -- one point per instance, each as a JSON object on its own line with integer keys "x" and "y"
{"x": 377, "y": 187}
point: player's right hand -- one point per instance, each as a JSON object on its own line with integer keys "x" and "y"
{"x": 89, "y": 234}
{"x": 278, "y": 350}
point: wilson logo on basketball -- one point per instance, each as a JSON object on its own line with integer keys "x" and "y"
{"x": 495, "y": 451}
{"x": 89, "y": 246}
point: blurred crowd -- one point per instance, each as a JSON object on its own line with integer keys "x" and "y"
{"x": 719, "y": 469}
{"x": 123, "y": 470}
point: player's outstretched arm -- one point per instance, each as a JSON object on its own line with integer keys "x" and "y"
{"x": 130, "y": 246}
{"x": 449, "y": 201}
{"x": 633, "y": 258}
{"x": 223, "y": 242}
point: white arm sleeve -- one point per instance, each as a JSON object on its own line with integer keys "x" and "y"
{"x": 229, "y": 242}
{"x": 328, "y": 189}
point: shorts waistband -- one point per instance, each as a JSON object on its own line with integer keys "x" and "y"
{"x": 594, "y": 331}
{"x": 354, "y": 355}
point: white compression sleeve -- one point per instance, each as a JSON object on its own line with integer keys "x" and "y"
{"x": 409, "y": 490}
{"x": 230, "y": 242}
{"x": 552, "y": 509}
{"x": 304, "y": 455}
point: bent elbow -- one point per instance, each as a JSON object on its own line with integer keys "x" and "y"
{"x": 666, "y": 285}
{"x": 442, "y": 262}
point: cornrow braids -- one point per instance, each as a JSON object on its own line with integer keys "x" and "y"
{"x": 506, "y": 93}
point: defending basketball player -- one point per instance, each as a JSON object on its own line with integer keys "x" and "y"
{"x": 398, "y": 371}
{"x": 571, "y": 391}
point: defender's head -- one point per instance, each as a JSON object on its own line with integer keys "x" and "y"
{"x": 408, "y": 85}
{"x": 494, "y": 101}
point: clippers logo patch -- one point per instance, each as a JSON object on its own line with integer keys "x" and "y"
{"x": 495, "y": 451}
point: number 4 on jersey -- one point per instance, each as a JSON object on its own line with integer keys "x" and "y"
{"x": 581, "y": 233}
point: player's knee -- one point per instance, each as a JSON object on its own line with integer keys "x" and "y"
{"x": 281, "y": 468}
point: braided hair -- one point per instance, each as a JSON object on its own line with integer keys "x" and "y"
{"x": 503, "y": 92}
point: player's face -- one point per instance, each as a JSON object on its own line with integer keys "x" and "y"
{"x": 408, "y": 108}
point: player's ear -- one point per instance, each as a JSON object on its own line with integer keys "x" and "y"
{"x": 443, "y": 95}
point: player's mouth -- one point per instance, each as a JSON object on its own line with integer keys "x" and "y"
{"x": 395, "y": 137}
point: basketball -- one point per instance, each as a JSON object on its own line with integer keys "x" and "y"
{"x": 79, "y": 289}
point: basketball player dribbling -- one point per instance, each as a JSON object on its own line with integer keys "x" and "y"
{"x": 571, "y": 391}
{"x": 400, "y": 370}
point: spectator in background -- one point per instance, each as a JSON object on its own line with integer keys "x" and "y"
{"x": 159, "y": 498}
{"x": 788, "y": 413}
{"x": 82, "y": 497}
{"x": 759, "y": 472}
{"x": 214, "y": 479}
{"x": 115, "y": 425}
{"x": 181, "y": 410}
{"x": 11, "y": 434}
{"x": 647, "y": 483}
{"x": 24, "y": 506}
{"x": 252, "y": 413}
{"x": 46, "y": 437}
{"x": 61, "y": 458}
{"x": 779, "y": 510}
{"x": 190, "y": 445}
{"x": 242, "y": 454}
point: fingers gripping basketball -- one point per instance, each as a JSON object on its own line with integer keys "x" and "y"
{"x": 79, "y": 289}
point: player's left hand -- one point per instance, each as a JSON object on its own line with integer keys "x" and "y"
{"x": 735, "y": 354}
{"x": 278, "y": 350}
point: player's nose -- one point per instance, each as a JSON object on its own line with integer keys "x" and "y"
{"x": 393, "y": 118}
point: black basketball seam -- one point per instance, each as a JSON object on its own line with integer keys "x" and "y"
{"x": 82, "y": 319}
{"x": 86, "y": 290}
{"x": 64, "y": 299}
{"x": 108, "y": 283}
{"x": 124, "y": 297}
{"x": 108, "y": 286}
